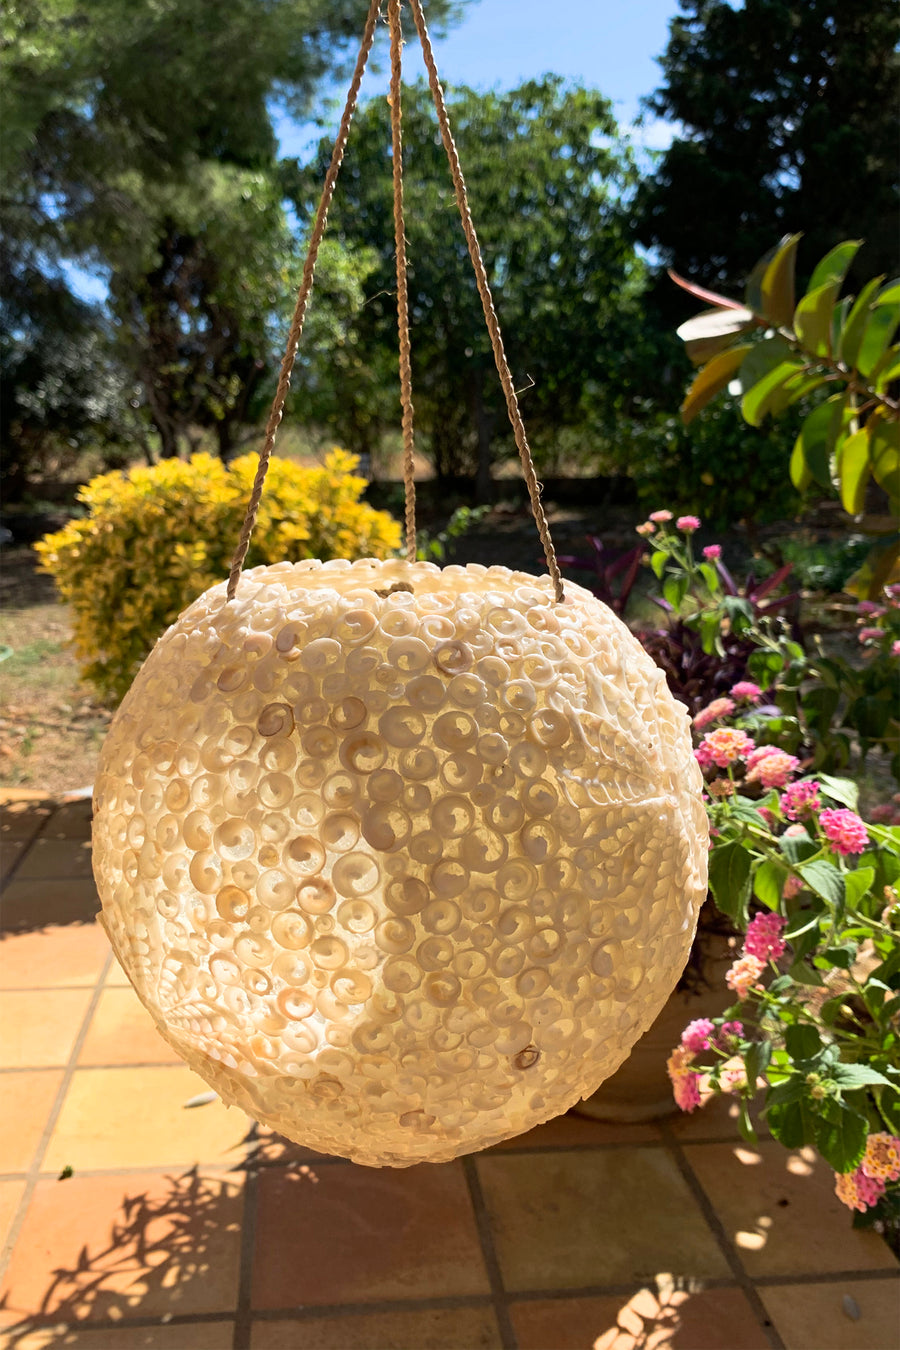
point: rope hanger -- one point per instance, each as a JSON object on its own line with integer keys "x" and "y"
{"x": 484, "y": 291}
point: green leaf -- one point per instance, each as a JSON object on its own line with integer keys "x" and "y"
{"x": 890, "y": 294}
{"x": 835, "y": 265}
{"x": 711, "y": 332}
{"x": 756, "y": 1060}
{"x": 729, "y": 868}
{"x": 858, "y": 1075}
{"x": 880, "y": 329}
{"x": 855, "y": 327}
{"x": 674, "y": 590}
{"x": 658, "y": 563}
{"x": 745, "y": 1124}
{"x": 768, "y": 882}
{"x": 753, "y": 290}
{"x": 802, "y": 1041}
{"x": 792, "y": 1123}
{"x": 884, "y": 453}
{"x": 796, "y": 848}
{"x": 817, "y": 437}
{"x": 853, "y": 471}
{"x": 877, "y": 569}
{"x": 842, "y": 790}
{"x": 857, "y": 883}
{"x": 801, "y": 474}
{"x": 840, "y": 1135}
{"x": 777, "y": 285}
{"x": 771, "y": 393}
{"x": 812, "y": 318}
{"x": 801, "y": 973}
{"x": 825, "y": 880}
{"x": 712, "y": 379}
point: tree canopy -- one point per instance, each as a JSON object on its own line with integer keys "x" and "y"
{"x": 545, "y": 169}
{"x": 789, "y": 123}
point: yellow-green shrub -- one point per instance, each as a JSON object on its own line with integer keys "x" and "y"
{"x": 156, "y": 538}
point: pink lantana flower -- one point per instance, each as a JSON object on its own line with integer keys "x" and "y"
{"x": 800, "y": 800}
{"x": 647, "y": 528}
{"x": 697, "y": 1035}
{"x": 871, "y": 634}
{"x": 774, "y": 770}
{"x": 660, "y": 517}
{"x": 764, "y": 939}
{"x": 712, "y": 552}
{"x": 685, "y": 1080}
{"x": 744, "y": 975}
{"x": 724, "y": 746}
{"x": 730, "y": 1032}
{"x": 895, "y": 648}
{"x": 688, "y": 523}
{"x": 768, "y": 816}
{"x": 793, "y": 886}
{"x": 746, "y": 690}
{"x": 845, "y": 831}
{"x": 882, "y": 1157}
{"x": 856, "y": 1190}
{"x": 720, "y": 707}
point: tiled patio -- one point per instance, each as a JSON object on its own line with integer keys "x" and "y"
{"x": 136, "y": 1220}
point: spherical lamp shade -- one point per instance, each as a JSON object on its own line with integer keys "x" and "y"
{"x": 401, "y": 860}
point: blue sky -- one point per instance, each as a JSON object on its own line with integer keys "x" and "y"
{"x": 502, "y": 42}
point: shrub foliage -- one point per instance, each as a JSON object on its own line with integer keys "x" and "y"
{"x": 156, "y": 538}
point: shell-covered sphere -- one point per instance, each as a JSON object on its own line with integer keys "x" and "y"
{"x": 401, "y": 860}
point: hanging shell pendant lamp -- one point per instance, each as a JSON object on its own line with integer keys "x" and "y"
{"x": 401, "y": 860}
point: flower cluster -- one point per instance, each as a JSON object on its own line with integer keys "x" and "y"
{"x": 687, "y": 524}
{"x": 723, "y": 747}
{"x": 865, "y": 1185}
{"x": 685, "y": 1080}
{"x": 763, "y": 938}
{"x": 845, "y": 831}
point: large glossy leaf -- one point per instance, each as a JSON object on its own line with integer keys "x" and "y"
{"x": 881, "y": 568}
{"x": 729, "y": 868}
{"x": 771, "y": 393}
{"x": 711, "y": 332}
{"x": 801, "y": 475}
{"x": 880, "y": 329}
{"x": 884, "y": 453}
{"x": 853, "y": 471}
{"x": 712, "y": 379}
{"x": 818, "y": 435}
{"x": 777, "y": 285}
{"x": 890, "y": 293}
{"x": 753, "y": 298}
{"x": 835, "y": 264}
{"x": 855, "y": 327}
{"x": 702, "y": 293}
{"x": 812, "y": 318}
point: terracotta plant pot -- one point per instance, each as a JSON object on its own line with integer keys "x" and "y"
{"x": 640, "y": 1090}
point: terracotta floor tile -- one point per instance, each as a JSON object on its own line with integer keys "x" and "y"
{"x": 437, "y": 1329}
{"x": 713, "y": 1319}
{"x": 362, "y": 1234}
{"x": 651, "y": 1319}
{"x": 49, "y": 857}
{"x": 27, "y": 1099}
{"x": 37, "y": 1028}
{"x": 23, "y": 813}
{"x": 572, "y": 1130}
{"x": 273, "y": 1148}
{"x": 70, "y": 820}
{"x": 32, "y": 903}
{"x": 181, "y": 1336}
{"x": 815, "y": 1316}
{"x": 780, "y": 1211}
{"x": 123, "y": 1032}
{"x": 144, "y": 1245}
{"x": 136, "y": 1118}
{"x": 570, "y": 1220}
{"x": 11, "y": 1193}
{"x": 116, "y": 977}
{"x": 11, "y": 851}
{"x": 72, "y": 954}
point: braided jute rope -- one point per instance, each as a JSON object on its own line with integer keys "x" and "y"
{"x": 296, "y": 329}
{"x": 487, "y": 304}
{"x": 402, "y": 295}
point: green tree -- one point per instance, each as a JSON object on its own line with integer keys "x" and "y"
{"x": 546, "y": 170}
{"x": 139, "y": 144}
{"x": 788, "y": 116}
